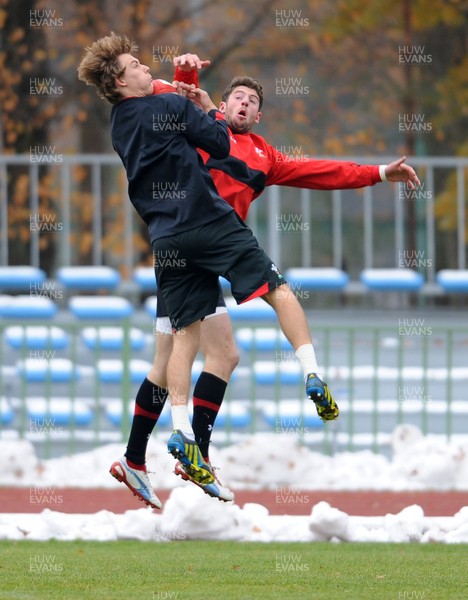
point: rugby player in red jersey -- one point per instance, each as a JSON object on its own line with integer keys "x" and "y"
{"x": 240, "y": 178}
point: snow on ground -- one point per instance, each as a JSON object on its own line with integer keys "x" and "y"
{"x": 189, "y": 514}
{"x": 263, "y": 461}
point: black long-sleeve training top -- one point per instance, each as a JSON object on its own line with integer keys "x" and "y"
{"x": 156, "y": 138}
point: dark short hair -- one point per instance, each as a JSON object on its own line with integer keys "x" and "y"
{"x": 247, "y": 82}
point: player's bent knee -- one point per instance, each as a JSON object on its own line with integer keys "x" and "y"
{"x": 232, "y": 357}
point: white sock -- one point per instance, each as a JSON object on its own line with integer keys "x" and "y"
{"x": 180, "y": 420}
{"x": 306, "y": 356}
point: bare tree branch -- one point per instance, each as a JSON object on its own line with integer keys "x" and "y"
{"x": 238, "y": 40}
{"x": 178, "y": 14}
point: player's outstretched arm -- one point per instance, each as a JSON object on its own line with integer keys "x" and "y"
{"x": 399, "y": 171}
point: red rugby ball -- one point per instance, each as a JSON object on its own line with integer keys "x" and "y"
{"x": 161, "y": 86}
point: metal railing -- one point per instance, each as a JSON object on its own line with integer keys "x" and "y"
{"x": 352, "y": 229}
{"x": 401, "y": 371}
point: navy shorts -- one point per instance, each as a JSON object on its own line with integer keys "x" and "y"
{"x": 188, "y": 265}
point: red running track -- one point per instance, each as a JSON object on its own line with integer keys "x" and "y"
{"x": 286, "y": 501}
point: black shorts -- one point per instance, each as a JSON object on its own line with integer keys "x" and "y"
{"x": 188, "y": 265}
{"x": 161, "y": 310}
{"x": 163, "y": 322}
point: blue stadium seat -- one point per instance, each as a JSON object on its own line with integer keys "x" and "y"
{"x": 113, "y": 409}
{"x": 253, "y": 310}
{"x": 397, "y": 280}
{"x": 165, "y": 420}
{"x": 27, "y": 307}
{"x": 261, "y": 339}
{"x": 317, "y": 279}
{"x": 100, "y": 307}
{"x": 112, "y": 338}
{"x": 90, "y": 278}
{"x": 286, "y": 372}
{"x": 145, "y": 278}
{"x": 21, "y": 278}
{"x": 233, "y": 414}
{"x": 291, "y": 416}
{"x": 453, "y": 280}
{"x": 198, "y": 367}
{"x": 37, "y": 337}
{"x": 45, "y": 369}
{"x": 6, "y": 412}
{"x": 49, "y": 413}
{"x": 112, "y": 370}
{"x": 150, "y": 306}
{"x": 225, "y": 285}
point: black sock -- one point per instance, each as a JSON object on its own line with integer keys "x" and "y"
{"x": 149, "y": 402}
{"x": 207, "y": 399}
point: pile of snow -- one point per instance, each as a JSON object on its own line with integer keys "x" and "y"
{"x": 262, "y": 461}
{"x": 189, "y": 514}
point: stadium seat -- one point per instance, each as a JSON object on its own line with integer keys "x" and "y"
{"x": 261, "y": 339}
{"x": 145, "y": 278}
{"x": 44, "y": 369}
{"x": 397, "y": 280}
{"x": 112, "y": 338}
{"x": 150, "y": 306}
{"x": 100, "y": 307}
{"x": 90, "y": 278}
{"x": 197, "y": 368}
{"x": 46, "y": 413}
{"x": 233, "y": 414}
{"x": 36, "y": 337}
{"x": 291, "y": 416}
{"x": 317, "y": 279}
{"x": 253, "y": 310}
{"x": 113, "y": 409}
{"x": 285, "y": 372}
{"x": 225, "y": 285}
{"x": 27, "y": 307}
{"x": 21, "y": 278}
{"x": 112, "y": 370}
{"x": 453, "y": 280}
{"x": 6, "y": 412}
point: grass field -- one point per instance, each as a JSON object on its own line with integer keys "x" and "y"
{"x": 183, "y": 570}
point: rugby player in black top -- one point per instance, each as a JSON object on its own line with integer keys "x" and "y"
{"x": 252, "y": 165}
{"x": 196, "y": 237}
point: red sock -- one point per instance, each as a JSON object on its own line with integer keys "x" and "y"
{"x": 133, "y": 465}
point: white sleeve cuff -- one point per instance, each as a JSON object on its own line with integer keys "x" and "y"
{"x": 382, "y": 168}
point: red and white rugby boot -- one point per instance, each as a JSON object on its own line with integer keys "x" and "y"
{"x": 136, "y": 480}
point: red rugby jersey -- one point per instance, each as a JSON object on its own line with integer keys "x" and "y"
{"x": 253, "y": 164}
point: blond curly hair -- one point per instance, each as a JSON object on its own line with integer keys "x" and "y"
{"x": 100, "y": 65}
